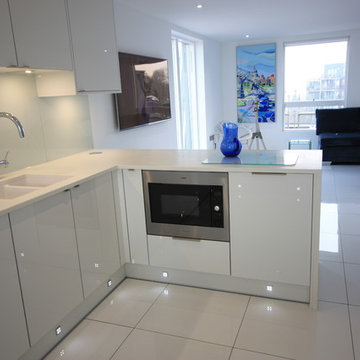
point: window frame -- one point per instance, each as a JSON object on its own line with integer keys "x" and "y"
{"x": 313, "y": 103}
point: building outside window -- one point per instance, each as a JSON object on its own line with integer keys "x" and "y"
{"x": 315, "y": 78}
{"x": 189, "y": 90}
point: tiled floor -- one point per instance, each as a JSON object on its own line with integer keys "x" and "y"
{"x": 150, "y": 321}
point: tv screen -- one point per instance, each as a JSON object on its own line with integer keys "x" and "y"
{"x": 145, "y": 97}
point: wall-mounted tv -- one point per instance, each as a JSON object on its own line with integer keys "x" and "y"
{"x": 145, "y": 97}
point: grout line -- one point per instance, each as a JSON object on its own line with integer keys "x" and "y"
{"x": 241, "y": 322}
{"x": 116, "y": 350}
{"x": 271, "y": 355}
{"x": 184, "y": 337}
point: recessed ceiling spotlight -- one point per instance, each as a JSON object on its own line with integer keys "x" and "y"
{"x": 247, "y": 36}
{"x": 199, "y": 6}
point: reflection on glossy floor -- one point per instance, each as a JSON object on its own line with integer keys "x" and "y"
{"x": 150, "y": 321}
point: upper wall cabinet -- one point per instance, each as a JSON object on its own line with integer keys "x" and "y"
{"x": 96, "y": 62}
{"x": 7, "y": 53}
{"x": 40, "y": 33}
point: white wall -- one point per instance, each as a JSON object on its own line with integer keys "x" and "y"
{"x": 274, "y": 135}
{"x": 141, "y": 34}
{"x": 54, "y": 127}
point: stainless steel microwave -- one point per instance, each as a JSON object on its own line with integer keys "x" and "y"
{"x": 187, "y": 204}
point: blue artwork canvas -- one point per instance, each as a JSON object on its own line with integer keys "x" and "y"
{"x": 255, "y": 66}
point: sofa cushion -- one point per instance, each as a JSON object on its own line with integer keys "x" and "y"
{"x": 337, "y": 120}
{"x": 339, "y": 139}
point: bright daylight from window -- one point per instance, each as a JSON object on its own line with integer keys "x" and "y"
{"x": 315, "y": 77}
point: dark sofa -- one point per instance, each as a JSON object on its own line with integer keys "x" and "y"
{"x": 339, "y": 134}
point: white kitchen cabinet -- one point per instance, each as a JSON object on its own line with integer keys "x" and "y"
{"x": 135, "y": 216}
{"x": 96, "y": 231}
{"x": 41, "y": 35}
{"x": 7, "y": 53}
{"x": 13, "y": 333}
{"x": 48, "y": 263}
{"x": 271, "y": 226}
{"x": 93, "y": 37}
{"x": 189, "y": 254}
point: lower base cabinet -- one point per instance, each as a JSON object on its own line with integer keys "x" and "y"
{"x": 48, "y": 262}
{"x": 189, "y": 254}
{"x": 271, "y": 226}
{"x": 13, "y": 333}
{"x": 96, "y": 231}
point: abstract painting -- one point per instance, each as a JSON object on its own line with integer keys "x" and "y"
{"x": 255, "y": 69}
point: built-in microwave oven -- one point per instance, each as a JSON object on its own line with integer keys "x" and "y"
{"x": 187, "y": 204}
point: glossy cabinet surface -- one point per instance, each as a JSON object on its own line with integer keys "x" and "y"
{"x": 92, "y": 27}
{"x": 270, "y": 226}
{"x": 41, "y": 34}
{"x": 135, "y": 216}
{"x": 96, "y": 231}
{"x": 7, "y": 53}
{"x": 46, "y": 252}
{"x": 13, "y": 333}
{"x": 189, "y": 254}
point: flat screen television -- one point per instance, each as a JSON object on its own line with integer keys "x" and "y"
{"x": 145, "y": 97}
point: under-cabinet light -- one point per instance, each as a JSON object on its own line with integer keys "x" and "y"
{"x": 109, "y": 283}
{"x": 269, "y": 288}
{"x": 58, "y": 330}
{"x": 165, "y": 274}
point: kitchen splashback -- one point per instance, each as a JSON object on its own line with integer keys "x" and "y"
{"x": 54, "y": 126}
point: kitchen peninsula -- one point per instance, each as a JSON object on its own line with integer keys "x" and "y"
{"x": 77, "y": 227}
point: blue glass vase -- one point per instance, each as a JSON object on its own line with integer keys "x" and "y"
{"x": 230, "y": 146}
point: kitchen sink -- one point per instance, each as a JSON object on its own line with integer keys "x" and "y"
{"x": 11, "y": 192}
{"x": 36, "y": 180}
{"x": 24, "y": 184}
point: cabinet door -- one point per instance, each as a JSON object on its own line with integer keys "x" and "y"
{"x": 189, "y": 254}
{"x": 270, "y": 226}
{"x": 46, "y": 251}
{"x": 136, "y": 216}
{"x": 41, "y": 33}
{"x": 13, "y": 333}
{"x": 92, "y": 27}
{"x": 7, "y": 53}
{"x": 96, "y": 232}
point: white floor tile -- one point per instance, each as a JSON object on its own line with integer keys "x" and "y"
{"x": 351, "y": 248}
{"x": 154, "y": 346}
{"x": 355, "y": 328}
{"x": 330, "y": 247}
{"x": 295, "y": 331}
{"x": 352, "y": 273}
{"x": 349, "y": 224}
{"x": 128, "y": 303}
{"x": 91, "y": 340}
{"x": 332, "y": 282}
{"x": 329, "y": 219}
{"x": 198, "y": 314}
{"x": 238, "y": 354}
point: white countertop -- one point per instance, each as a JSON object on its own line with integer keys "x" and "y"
{"x": 85, "y": 165}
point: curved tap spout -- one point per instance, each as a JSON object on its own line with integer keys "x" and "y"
{"x": 16, "y": 121}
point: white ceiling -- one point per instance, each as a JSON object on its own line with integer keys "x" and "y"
{"x": 230, "y": 20}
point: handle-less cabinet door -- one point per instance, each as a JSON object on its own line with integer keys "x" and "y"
{"x": 41, "y": 33}
{"x": 93, "y": 37}
{"x": 270, "y": 226}
{"x": 96, "y": 231}
{"x": 7, "y": 53}
{"x": 46, "y": 251}
{"x": 13, "y": 334}
{"x": 135, "y": 211}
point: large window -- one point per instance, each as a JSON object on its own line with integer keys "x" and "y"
{"x": 315, "y": 78}
{"x": 188, "y": 80}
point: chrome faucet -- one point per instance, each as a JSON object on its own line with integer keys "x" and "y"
{"x": 16, "y": 121}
